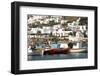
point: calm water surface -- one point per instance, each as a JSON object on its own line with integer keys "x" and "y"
{"x": 60, "y": 56}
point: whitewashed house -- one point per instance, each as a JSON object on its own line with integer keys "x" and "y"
{"x": 56, "y": 26}
{"x": 34, "y": 30}
{"x": 82, "y": 27}
{"x": 55, "y": 30}
{"x": 46, "y": 30}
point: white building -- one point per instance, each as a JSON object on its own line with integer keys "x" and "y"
{"x": 46, "y": 30}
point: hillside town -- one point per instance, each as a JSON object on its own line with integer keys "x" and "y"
{"x": 49, "y": 32}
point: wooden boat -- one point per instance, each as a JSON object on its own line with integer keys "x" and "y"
{"x": 57, "y": 51}
{"x": 62, "y": 51}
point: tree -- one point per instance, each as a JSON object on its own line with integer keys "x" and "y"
{"x": 83, "y": 21}
{"x": 38, "y": 32}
